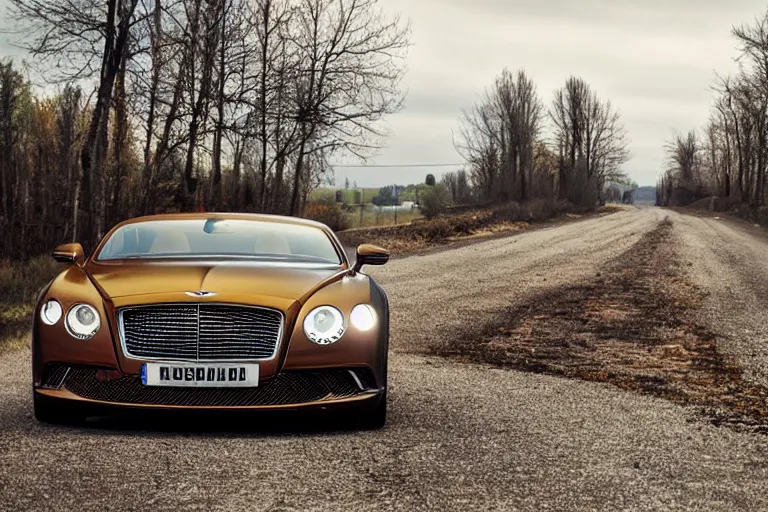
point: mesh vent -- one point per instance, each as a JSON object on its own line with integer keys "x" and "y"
{"x": 53, "y": 375}
{"x": 284, "y": 389}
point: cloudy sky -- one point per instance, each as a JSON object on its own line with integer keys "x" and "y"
{"x": 654, "y": 59}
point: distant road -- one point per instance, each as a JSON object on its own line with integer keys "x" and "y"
{"x": 460, "y": 436}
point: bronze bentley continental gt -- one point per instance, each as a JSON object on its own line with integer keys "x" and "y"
{"x": 213, "y": 312}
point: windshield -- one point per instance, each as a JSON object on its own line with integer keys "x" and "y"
{"x": 201, "y": 238}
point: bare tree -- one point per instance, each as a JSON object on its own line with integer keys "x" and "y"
{"x": 241, "y": 102}
{"x": 350, "y": 68}
{"x": 589, "y": 136}
{"x": 498, "y": 137}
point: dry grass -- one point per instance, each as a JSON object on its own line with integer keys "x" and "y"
{"x": 20, "y": 284}
{"x": 374, "y": 218}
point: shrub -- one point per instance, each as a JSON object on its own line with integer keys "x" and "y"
{"x": 508, "y": 212}
{"x": 434, "y": 201}
{"x": 438, "y": 229}
{"x": 539, "y": 210}
{"x": 329, "y": 213}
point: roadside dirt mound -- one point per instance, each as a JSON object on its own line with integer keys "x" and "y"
{"x": 632, "y": 327}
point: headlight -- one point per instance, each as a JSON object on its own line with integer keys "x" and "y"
{"x": 363, "y": 317}
{"x": 51, "y": 312}
{"x": 324, "y": 325}
{"x": 83, "y": 321}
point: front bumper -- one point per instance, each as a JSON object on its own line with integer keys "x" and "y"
{"x": 288, "y": 390}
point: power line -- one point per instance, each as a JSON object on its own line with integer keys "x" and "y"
{"x": 397, "y": 165}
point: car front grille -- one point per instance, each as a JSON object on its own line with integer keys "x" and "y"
{"x": 200, "y": 332}
{"x": 286, "y": 388}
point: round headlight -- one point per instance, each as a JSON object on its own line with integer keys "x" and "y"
{"x": 363, "y": 317}
{"x": 324, "y": 325}
{"x": 51, "y": 312}
{"x": 83, "y": 321}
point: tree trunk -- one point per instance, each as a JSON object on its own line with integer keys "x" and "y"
{"x": 156, "y": 34}
{"x": 297, "y": 177}
{"x": 263, "y": 104}
{"x": 216, "y": 199}
{"x": 120, "y": 132}
{"x": 92, "y": 153}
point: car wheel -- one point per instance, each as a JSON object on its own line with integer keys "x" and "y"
{"x": 48, "y": 411}
{"x": 376, "y": 418}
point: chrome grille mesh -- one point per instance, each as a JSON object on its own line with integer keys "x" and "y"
{"x": 54, "y": 374}
{"x": 200, "y": 332}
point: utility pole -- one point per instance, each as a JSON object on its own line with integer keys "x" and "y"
{"x": 394, "y": 189}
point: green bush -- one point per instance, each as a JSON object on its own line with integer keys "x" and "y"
{"x": 434, "y": 201}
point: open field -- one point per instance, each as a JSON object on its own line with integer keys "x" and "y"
{"x": 367, "y": 194}
{"x": 374, "y": 217}
{"x": 622, "y": 369}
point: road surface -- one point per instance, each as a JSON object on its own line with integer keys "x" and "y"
{"x": 460, "y": 436}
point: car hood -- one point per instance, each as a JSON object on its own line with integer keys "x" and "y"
{"x": 287, "y": 281}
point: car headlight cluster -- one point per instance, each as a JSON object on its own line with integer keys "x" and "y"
{"x": 325, "y": 325}
{"x": 363, "y": 317}
{"x": 82, "y": 320}
{"x": 51, "y": 312}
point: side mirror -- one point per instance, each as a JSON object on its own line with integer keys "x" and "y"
{"x": 69, "y": 253}
{"x": 370, "y": 255}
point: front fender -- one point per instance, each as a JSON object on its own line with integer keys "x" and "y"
{"x": 52, "y": 343}
{"x": 355, "y": 348}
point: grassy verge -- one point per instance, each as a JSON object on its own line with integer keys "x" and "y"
{"x": 422, "y": 233}
{"x": 632, "y": 326}
{"x": 729, "y": 207}
{"x": 372, "y": 217}
{"x": 20, "y": 283}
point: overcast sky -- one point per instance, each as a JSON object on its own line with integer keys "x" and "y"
{"x": 654, "y": 59}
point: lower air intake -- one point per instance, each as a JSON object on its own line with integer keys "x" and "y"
{"x": 285, "y": 389}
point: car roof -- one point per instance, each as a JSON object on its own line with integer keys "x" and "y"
{"x": 276, "y": 219}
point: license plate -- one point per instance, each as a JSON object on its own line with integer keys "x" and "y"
{"x": 200, "y": 375}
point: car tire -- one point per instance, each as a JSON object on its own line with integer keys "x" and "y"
{"x": 376, "y": 418}
{"x": 48, "y": 411}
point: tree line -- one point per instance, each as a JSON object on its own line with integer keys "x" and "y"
{"x": 727, "y": 158}
{"x": 517, "y": 150}
{"x": 197, "y": 104}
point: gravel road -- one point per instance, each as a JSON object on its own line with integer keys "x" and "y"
{"x": 730, "y": 261}
{"x": 460, "y": 436}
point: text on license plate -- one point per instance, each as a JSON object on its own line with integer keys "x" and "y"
{"x": 200, "y": 375}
